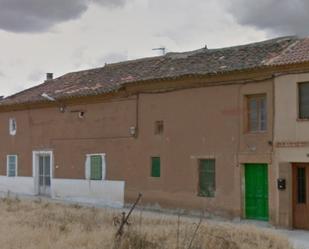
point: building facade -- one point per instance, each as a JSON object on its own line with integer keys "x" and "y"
{"x": 222, "y": 131}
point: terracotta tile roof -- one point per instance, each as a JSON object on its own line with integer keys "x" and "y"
{"x": 204, "y": 61}
{"x": 296, "y": 53}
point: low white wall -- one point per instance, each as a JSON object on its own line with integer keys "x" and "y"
{"x": 110, "y": 193}
{"x": 19, "y": 185}
{"x": 105, "y": 193}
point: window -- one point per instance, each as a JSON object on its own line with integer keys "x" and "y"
{"x": 12, "y": 165}
{"x": 155, "y": 167}
{"x": 257, "y": 113}
{"x": 207, "y": 178}
{"x": 12, "y": 126}
{"x": 95, "y": 167}
{"x": 301, "y": 185}
{"x": 303, "y": 98}
{"x": 159, "y": 127}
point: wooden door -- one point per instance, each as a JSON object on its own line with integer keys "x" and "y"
{"x": 301, "y": 196}
{"x": 256, "y": 195}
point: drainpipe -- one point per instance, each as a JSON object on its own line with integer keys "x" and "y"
{"x": 137, "y": 115}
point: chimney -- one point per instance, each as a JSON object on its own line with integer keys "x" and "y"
{"x": 49, "y": 76}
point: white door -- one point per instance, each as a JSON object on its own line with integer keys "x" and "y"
{"x": 44, "y": 169}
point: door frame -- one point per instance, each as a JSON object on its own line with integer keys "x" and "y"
{"x": 35, "y": 168}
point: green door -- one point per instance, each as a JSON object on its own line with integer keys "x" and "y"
{"x": 256, "y": 192}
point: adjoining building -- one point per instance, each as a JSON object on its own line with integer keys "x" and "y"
{"x": 220, "y": 130}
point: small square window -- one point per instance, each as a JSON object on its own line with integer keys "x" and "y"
{"x": 155, "y": 167}
{"x": 12, "y": 165}
{"x": 12, "y": 126}
{"x": 159, "y": 127}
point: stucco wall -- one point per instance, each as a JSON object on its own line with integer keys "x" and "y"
{"x": 291, "y": 139}
{"x": 256, "y": 143}
{"x": 287, "y": 126}
{"x": 195, "y": 127}
{"x": 104, "y": 129}
{"x": 199, "y": 123}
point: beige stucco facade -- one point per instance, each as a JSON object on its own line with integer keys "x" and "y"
{"x": 290, "y": 140}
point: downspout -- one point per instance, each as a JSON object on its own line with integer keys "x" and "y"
{"x": 272, "y": 143}
{"x": 240, "y": 166}
{"x": 273, "y": 118}
{"x": 137, "y": 115}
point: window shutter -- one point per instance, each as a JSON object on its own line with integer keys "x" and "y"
{"x": 96, "y": 167}
{"x": 155, "y": 167}
{"x": 103, "y": 167}
{"x": 87, "y": 168}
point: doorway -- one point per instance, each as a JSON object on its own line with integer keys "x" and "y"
{"x": 42, "y": 168}
{"x": 256, "y": 192}
{"x": 300, "y": 195}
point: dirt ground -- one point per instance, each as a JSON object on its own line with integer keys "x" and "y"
{"x": 38, "y": 224}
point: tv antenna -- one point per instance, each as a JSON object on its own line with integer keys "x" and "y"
{"x": 162, "y": 49}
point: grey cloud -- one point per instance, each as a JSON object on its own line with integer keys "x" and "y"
{"x": 40, "y": 15}
{"x": 111, "y": 3}
{"x": 276, "y": 16}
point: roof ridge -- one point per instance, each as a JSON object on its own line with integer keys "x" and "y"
{"x": 134, "y": 60}
{"x": 205, "y": 49}
{"x": 279, "y": 39}
{"x": 81, "y": 71}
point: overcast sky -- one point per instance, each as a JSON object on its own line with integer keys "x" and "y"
{"x": 59, "y": 36}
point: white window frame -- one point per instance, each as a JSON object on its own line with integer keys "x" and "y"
{"x": 11, "y": 129}
{"x": 8, "y": 165}
{"x": 88, "y": 166}
{"x": 35, "y": 168}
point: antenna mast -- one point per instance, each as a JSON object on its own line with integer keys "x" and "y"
{"x": 162, "y": 49}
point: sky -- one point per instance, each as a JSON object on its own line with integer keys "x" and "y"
{"x": 60, "y": 36}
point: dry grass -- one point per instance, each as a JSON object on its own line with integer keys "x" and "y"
{"x": 42, "y": 225}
